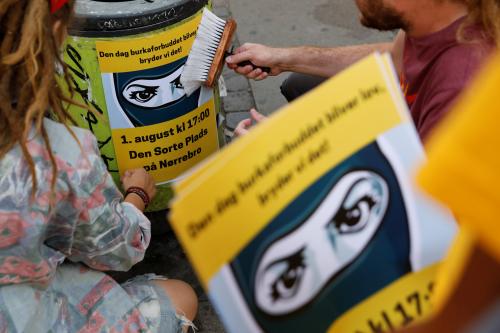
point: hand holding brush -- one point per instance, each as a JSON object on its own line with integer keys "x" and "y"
{"x": 258, "y": 56}
{"x": 206, "y": 59}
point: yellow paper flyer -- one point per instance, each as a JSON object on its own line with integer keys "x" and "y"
{"x": 314, "y": 212}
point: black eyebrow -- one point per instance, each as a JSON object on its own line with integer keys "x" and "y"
{"x": 294, "y": 257}
{"x": 142, "y": 86}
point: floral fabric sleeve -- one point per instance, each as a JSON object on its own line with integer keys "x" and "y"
{"x": 109, "y": 234}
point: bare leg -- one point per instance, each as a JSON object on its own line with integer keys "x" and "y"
{"x": 182, "y": 296}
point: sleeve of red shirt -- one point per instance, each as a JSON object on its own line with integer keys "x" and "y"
{"x": 449, "y": 79}
{"x": 436, "y": 108}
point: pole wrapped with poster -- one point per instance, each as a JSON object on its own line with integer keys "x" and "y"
{"x": 125, "y": 60}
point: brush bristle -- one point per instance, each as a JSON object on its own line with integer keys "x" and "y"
{"x": 203, "y": 51}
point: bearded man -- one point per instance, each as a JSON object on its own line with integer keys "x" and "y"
{"x": 439, "y": 47}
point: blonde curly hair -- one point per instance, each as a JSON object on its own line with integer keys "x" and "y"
{"x": 29, "y": 54}
{"x": 487, "y": 14}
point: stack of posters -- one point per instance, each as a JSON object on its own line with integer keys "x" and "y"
{"x": 311, "y": 222}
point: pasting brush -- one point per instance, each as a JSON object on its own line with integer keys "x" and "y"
{"x": 206, "y": 58}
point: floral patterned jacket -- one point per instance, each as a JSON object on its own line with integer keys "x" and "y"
{"x": 89, "y": 224}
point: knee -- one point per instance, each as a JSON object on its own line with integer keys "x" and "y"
{"x": 296, "y": 84}
{"x": 290, "y": 87}
{"x": 182, "y": 296}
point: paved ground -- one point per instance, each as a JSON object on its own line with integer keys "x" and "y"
{"x": 292, "y": 23}
{"x": 273, "y": 22}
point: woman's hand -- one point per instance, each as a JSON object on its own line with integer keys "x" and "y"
{"x": 138, "y": 178}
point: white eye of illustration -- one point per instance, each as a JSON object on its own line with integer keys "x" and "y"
{"x": 154, "y": 93}
{"x": 285, "y": 276}
{"x": 359, "y": 205}
{"x": 140, "y": 93}
{"x": 293, "y": 270}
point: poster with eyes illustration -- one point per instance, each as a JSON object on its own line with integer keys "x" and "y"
{"x": 154, "y": 124}
{"x": 353, "y": 232}
{"x": 143, "y": 118}
{"x": 310, "y": 260}
{"x": 150, "y": 96}
{"x": 311, "y": 222}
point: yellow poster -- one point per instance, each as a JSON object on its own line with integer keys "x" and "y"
{"x": 154, "y": 124}
{"x": 147, "y": 51}
{"x": 132, "y": 80}
{"x": 168, "y": 149}
{"x": 267, "y": 182}
{"x": 311, "y": 221}
{"x": 401, "y": 304}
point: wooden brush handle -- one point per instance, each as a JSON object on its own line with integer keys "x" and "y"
{"x": 218, "y": 62}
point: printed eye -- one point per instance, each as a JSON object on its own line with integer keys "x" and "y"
{"x": 288, "y": 274}
{"x": 152, "y": 93}
{"x": 140, "y": 93}
{"x": 296, "y": 266}
{"x": 358, "y": 207}
{"x": 176, "y": 84}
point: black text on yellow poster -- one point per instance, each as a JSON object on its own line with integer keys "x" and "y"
{"x": 168, "y": 149}
{"x": 147, "y": 51}
{"x": 403, "y": 303}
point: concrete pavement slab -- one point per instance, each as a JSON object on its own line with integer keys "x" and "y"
{"x": 292, "y": 23}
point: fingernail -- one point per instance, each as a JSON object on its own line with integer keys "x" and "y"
{"x": 229, "y": 59}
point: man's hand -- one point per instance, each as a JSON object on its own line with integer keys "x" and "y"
{"x": 259, "y": 55}
{"x": 244, "y": 125}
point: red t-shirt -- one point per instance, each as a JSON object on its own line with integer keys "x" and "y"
{"x": 436, "y": 68}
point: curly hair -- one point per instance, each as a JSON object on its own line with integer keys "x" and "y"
{"x": 30, "y": 41}
{"x": 487, "y": 14}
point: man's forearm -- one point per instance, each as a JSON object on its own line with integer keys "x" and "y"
{"x": 326, "y": 62}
